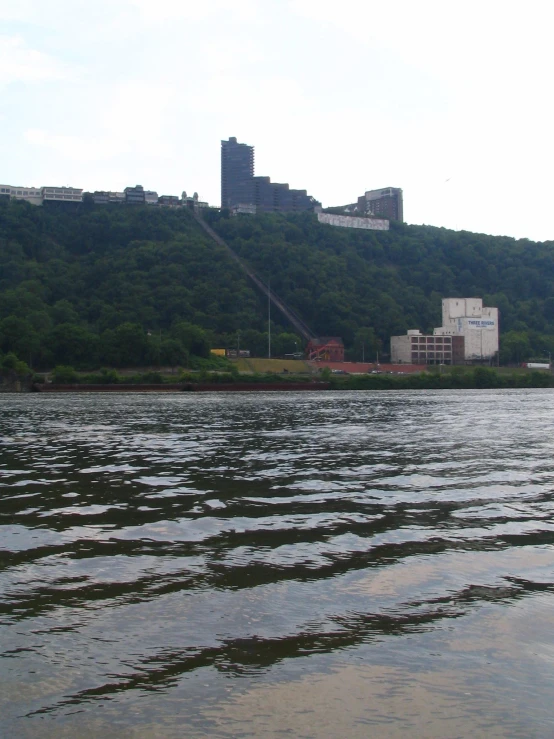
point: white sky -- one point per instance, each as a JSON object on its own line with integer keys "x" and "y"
{"x": 450, "y": 100}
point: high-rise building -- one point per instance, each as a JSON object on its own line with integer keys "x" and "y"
{"x": 241, "y": 191}
{"x": 237, "y": 173}
{"x": 386, "y": 203}
{"x": 270, "y": 197}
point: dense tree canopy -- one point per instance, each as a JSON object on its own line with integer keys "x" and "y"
{"x": 137, "y": 286}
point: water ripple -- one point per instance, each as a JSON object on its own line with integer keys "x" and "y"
{"x": 218, "y": 541}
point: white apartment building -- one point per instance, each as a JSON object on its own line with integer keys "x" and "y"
{"x": 30, "y": 194}
{"x": 72, "y": 194}
{"x": 38, "y": 195}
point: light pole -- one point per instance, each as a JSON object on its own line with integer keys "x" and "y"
{"x": 269, "y": 318}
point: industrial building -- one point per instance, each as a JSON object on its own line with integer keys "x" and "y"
{"x": 418, "y": 348}
{"x": 241, "y": 191}
{"x": 469, "y": 333}
{"x": 468, "y": 317}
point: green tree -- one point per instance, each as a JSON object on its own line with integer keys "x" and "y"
{"x": 18, "y": 335}
{"x": 193, "y": 338}
{"x": 73, "y": 345}
{"x": 124, "y": 346}
{"x": 515, "y": 347}
{"x": 64, "y": 375}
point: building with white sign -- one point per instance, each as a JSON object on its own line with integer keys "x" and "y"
{"x": 469, "y": 333}
{"x": 478, "y": 324}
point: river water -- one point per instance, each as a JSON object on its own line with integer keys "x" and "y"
{"x": 354, "y": 564}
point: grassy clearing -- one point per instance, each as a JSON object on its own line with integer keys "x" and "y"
{"x": 274, "y": 366}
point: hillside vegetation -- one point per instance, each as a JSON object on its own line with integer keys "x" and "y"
{"x": 142, "y": 286}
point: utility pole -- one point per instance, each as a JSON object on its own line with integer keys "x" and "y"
{"x": 269, "y": 318}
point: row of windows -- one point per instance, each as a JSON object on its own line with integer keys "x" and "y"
{"x": 61, "y": 191}
{"x": 431, "y": 340}
{"x": 432, "y": 355}
{"x": 62, "y": 197}
{"x": 27, "y": 193}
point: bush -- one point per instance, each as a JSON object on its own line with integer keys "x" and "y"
{"x": 64, "y": 375}
{"x": 104, "y": 377}
{"x": 13, "y": 366}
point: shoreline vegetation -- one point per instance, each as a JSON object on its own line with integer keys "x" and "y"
{"x": 146, "y": 287}
{"x": 65, "y": 379}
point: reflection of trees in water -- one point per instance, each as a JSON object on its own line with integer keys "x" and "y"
{"x": 246, "y": 559}
{"x": 250, "y": 655}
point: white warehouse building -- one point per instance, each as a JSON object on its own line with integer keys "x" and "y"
{"x": 469, "y": 333}
{"x": 468, "y": 317}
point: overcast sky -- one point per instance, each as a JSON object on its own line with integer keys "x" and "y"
{"x": 451, "y": 101}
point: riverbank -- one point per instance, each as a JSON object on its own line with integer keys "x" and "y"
{"x": 182, "y": 387}
{"x": 451, "y": 378}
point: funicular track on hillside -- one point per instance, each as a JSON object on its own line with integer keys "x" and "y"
{"x": 287, "y": 311}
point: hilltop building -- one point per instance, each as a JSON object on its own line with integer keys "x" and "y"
{"x": 237, "y": 173}
{"x": 135, "y": 195}
{"x": 40, "y": 195}
{"x": 241, "y": 191}
{"x": 171, "y": 201}
{"x": 469, "y": 333}
{"x": 193, "y": 202}
{"x": 386, "y": 203}
{"x": 105, "y": 197}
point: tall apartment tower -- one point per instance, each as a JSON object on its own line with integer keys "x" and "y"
{"x": 237, "y": 173}
{"x": 386, "y": 203}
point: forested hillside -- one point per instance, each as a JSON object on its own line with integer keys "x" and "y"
{"x": 136, "y": 286}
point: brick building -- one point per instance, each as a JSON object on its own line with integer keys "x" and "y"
{"x": 418, "y": 348}
{"x": 386, "y": 203}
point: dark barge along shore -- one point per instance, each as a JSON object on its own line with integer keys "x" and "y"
{"x": 184, "y": 387}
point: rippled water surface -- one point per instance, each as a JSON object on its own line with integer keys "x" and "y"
{"x": 277, "y": 564}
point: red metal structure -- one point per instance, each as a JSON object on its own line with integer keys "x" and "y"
{"x": 329, "y": 348}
